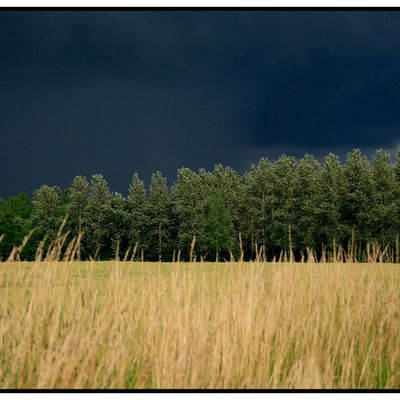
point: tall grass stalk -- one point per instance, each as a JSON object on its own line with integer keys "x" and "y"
{"x": 116, "y": 324}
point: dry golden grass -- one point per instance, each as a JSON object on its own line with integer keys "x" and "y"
{"x": 150, "y": 325}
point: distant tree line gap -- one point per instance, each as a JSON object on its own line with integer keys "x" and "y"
{"x": 282, "y": 210}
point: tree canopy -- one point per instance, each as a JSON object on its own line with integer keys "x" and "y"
{"x": 285, "y": 206}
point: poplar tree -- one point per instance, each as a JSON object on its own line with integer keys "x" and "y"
{"x": 283, "y": 214}
{"x": 78, "y": 194}
{"x": 119, "y": 226}
{"x": 331, "y": 188}
{"x": 397, "y": 189}
{"x": 99, "y": 209}
{"x": 357, "y": 198}
{"x": 384, "y": 225}
{"x": 157, "y": 212}
{"x": 47, "y": 214}
{"x": 230, "y": 185}
{"x": 217, "y": 236}
{"x": 206, "y": 189}
{"x": 272, "y": 208}
{"x": 257, "y": 216}
{"x": 187, "y": 196}
{"x": 308, "y": 201}
{"x": 136, "y": 210}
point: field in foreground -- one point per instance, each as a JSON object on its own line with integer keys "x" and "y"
{"x": 150, "y": 325}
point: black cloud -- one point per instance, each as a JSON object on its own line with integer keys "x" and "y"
{"x": 117, "y": 92}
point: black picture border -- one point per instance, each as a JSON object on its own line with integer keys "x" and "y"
{"x": 208, "y": 9}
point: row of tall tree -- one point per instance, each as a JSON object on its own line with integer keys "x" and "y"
{"x": 275, "y": 207}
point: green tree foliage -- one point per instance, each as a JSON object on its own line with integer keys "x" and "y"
{"x": 119, "y": 225}
{"x": 257, "y": 216}
{"x": 217, "y": 234}
{"x": 383, "y": 215}
{"x": 357, "y": 203}
{"x": 15, "y": 224}
{"x": 229, "y": 184}
{"x": 78, "y": 196}
{"x": 396, "y": 200}
{"x": 158, "y": 210}
{"x": 77, "y": 208}
{"x": 98, "y": 211}
{"x": 48, "y": 211}
{"x": 189, "y": 202}
{"x": 136, "y": 213}
{"x": 308, "y": 198}
{"x": 284, "y": 180}
{"x": 331, "y": 189}
{"x": 272, "y": 208}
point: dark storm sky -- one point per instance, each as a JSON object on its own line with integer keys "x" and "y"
{"x": 117, "y": 92}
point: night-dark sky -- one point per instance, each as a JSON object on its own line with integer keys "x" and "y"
{"x": 118, "y": 92}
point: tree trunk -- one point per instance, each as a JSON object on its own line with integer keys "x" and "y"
{"x": 241, "y": 247}
{"x": 159, "y": 241}
{"x": 192, "y": 248}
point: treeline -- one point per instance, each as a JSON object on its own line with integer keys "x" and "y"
{"x": 277, "y": 208}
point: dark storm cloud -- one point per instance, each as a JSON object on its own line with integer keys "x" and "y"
{"x": 117, "y": 92}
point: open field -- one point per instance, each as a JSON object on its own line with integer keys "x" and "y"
{"x": 131, "y": 325}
